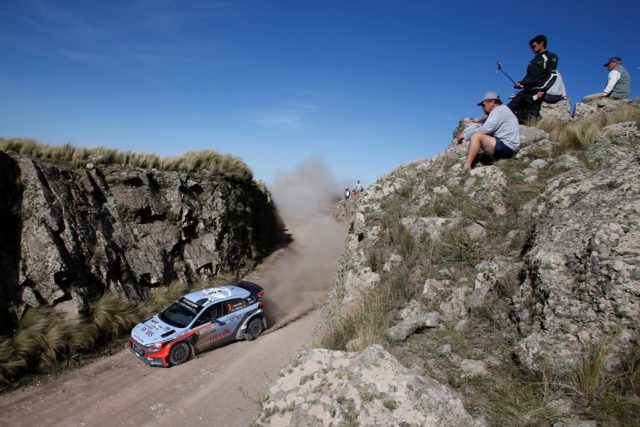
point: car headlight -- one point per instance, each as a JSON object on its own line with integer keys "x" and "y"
{"x": 154, "y": 347}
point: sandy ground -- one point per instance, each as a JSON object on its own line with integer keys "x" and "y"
{"x": 221, "y": 387}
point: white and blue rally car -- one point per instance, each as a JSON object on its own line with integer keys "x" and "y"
{"x": 198, "y": 321}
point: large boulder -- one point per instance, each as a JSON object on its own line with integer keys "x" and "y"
{"x": 370, "y": 388}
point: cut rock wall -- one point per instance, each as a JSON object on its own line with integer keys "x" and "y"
{"x": 70, "y": 234}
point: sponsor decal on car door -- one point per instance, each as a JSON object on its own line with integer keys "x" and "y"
{"x": 234, "y": 312}
{"x": 210, "y": 331}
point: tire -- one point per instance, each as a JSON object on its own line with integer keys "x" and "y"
{"x": 254, "y": 329}
{"x": 179, "y": 353}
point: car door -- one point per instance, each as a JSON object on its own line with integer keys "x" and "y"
{"x": 233, "y": 312}
{"x": 206, "y": 327}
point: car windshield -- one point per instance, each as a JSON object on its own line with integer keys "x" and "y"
{"x": 180, "y": 314}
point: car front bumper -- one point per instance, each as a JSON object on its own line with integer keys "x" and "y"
{"x": 151, "y": 360}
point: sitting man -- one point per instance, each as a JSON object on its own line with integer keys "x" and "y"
{"x": 618, "y": 83}
{"x": 556, "y": 92}
{"x": 498, "y": 135}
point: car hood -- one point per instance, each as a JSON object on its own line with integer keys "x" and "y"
{"x": 153, "y": 331}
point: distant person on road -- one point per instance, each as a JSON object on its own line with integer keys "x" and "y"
{"x": 498, "y": 135}
{"x": 359, "y": 187}
{"x": 541, "y": 74}
{"x": 618, "y": 82}
{"x": 347, "y": 193}
{"x": 556, "y": 92}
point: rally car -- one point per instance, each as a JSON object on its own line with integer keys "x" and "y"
{"x": 198, "y": 321}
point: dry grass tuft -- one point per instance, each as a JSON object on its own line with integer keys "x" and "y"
{"x": 514, "y": 399}
{"x": 366, "y": 320}
{"x": 588, "y": 378}
{"x": 610, "y": 396}
{"x": 112, "y": 315}
{"x": 54, "y": 341}
{"x": 579, "y": 134}
{"x": 11, "y": 362}
{"x": 83, "y": 337}
{"x": 208, "y": 161}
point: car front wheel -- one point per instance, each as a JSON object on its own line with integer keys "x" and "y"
{"x": 180, "y": 353}
{"x": 254, "y": 329}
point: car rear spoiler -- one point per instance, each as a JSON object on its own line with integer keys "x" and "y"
{"x": 255, "y": 290}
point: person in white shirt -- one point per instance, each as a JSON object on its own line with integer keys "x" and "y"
{"x": 618, "y": 82}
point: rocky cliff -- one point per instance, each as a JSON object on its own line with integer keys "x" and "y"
{"x": 513, "y": 289}
{"x": 69, "y": 234}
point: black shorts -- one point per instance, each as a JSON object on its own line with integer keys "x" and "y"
{"x": 552, "y": 99}
{"x": 502, "y": 151}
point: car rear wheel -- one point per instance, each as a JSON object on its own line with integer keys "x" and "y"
{"x": 254, "y": 329}
{"x": 180, "y": 353}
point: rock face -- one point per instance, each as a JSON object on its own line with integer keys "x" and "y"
{"x": 599, "y": 107}
{"x": 516, "y": 266}
{"x": 583, "y": 270}
{"x": 560, "y": 110}
{"x": 10, "y": 202}
{"x": 369, "y": 388}
{"x": 76, "y": 232}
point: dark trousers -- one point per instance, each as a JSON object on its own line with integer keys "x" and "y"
{"x": 552, "y": 99}
{"x": 524, "y": 106}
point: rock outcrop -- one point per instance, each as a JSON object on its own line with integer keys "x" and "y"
{"x": 402, "y": 330}
{"x": 599, "y": 106}
{"x": 520, "y": 265}
{"x": 70, "y": 234}
{"x": 583, "y": 269}
{"x": 560, "y": 110}
{"x": 369, "y": 388}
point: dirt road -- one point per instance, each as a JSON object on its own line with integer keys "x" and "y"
{"x": 218, "y": 388}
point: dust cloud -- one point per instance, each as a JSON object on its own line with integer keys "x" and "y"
{"x": 305, "y": 193}
{"x": 297, "y": 277}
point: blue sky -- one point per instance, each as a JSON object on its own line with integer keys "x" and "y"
{"x": 366, "y": 85}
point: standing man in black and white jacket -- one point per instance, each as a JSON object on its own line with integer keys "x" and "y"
{"x": 541, "y": 74}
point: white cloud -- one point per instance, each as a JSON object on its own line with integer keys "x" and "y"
{"x": 280, "y": 120}
{"x": 93, "y": 58}
{"x": 293, "y": 117}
